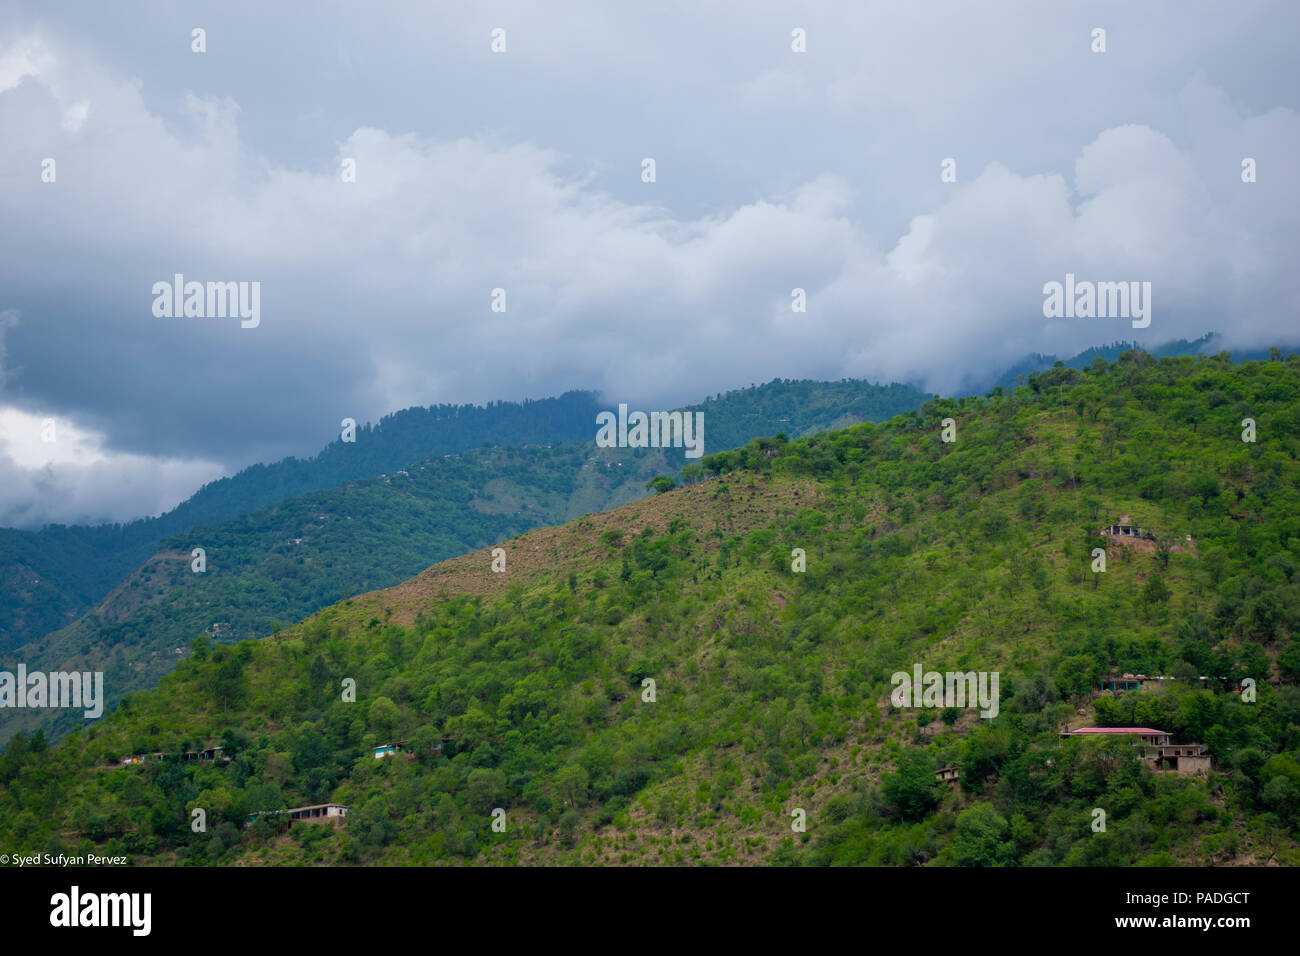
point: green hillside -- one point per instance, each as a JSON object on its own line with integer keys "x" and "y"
{"x": 1037, "y": 363}
{"x": 282, "y": 563}
{"x": 50, "y": 578}
{"x": 524, "y": 690}
{"x": 798, "y": 407}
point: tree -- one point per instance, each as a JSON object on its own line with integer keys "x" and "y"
{"x": 1155, "y": 591}
{"x": 571, "y": 784}
{"x": 1288, "y": 662}
{"x": 981, "y": 838}
{"x": 661, "y": 483}
{"x": 383, "y": 715}
{"x": 312, "y": 750}
{"x": 426, "y": 741}
{"x": 1164, "y": 548}
{"x": 911, "y": 792}
{"x": 485, "y": 789}
{"x": 1076, "y": 675}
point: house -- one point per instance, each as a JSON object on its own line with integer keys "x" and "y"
{"x": 1146, "y": 734}
{"x": 210, "y": 755}
{"x": 1125, "y": 528}
{"x": 389, "y": 750}
{"x": 1117, "y": 683}
{"x": 1126, "y": 531}
{"x": 1122, "y": 682}
{"x": 1186, "y": 759}
{"x": 142, "y": 758}
{"x": 331, "y": 813}
{"x": 947, "y": 774}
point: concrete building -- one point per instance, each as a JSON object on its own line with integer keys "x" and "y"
{"x": 331, "y": 813}
{"x": 1186, "y": 759}
{"x": 319, "y": 813}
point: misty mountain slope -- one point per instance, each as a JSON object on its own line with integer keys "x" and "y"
{"x": 282, "y": 563}
{"x": 526, "y": 690}
{"x": 49, "y": 578}
{"x": 1033, "y": 364}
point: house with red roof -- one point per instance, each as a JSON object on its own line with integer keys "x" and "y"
{"x": 1158, "y": 751}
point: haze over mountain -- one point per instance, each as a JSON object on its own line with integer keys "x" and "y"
{"x": 48, "y": 577}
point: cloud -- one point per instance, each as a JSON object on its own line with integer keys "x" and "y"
{"x": 73, "y": 479}
{"x": 8, "y": 319}
{"x": 776, "y": 171}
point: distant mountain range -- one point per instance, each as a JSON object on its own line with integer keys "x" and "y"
{"x": 50, "y": 577}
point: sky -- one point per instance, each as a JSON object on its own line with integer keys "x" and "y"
{"x": 821, "y": 169}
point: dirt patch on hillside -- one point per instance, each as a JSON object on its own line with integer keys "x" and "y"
{"x": 548, "y": 555}
{"x": 1146, "y": 545}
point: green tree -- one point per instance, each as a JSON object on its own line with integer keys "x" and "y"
{"x": 485, "y": 789}
{"x": 661, "y": 483}
{"x": 571, "y": 783}
{"x": 912, "y": 792}
{"x": 981, "y": 838}
{"x": 383, "y": 715}
{"x": 1155, "y": 591}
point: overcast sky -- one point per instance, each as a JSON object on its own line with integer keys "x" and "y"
{"x": 522, "y": 170}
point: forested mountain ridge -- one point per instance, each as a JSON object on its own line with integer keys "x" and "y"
{"x": 1018, "y": 373}
{"x": 49, "y": 578}
{"x": 525, "y": 690}
{"x": 281, "y": 563}
{"x": 798, "y": 407}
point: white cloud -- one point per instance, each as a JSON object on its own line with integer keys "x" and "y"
{"x": 74, "y": 479}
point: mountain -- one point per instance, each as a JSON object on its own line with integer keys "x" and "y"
{"x": 1033, "y": 364}
{"x": 798, "y": 407}
{"x": 661, "y": 683}
{"x": 49, "y": 578}
{"x": 284, "y": 562}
